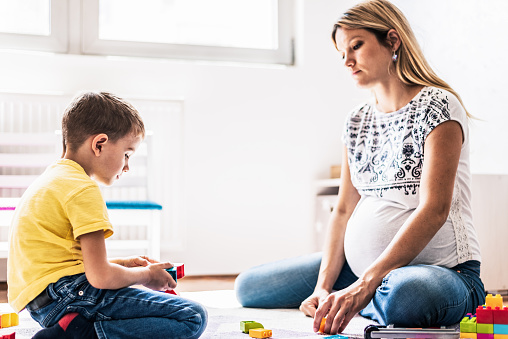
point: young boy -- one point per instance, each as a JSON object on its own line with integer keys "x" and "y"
{"x": 57, "y": 266}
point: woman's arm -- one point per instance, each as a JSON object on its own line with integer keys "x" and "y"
{"x": 442, "y": 152}
{"x": 103, "y": 274}
{"x": 333, "y": 253}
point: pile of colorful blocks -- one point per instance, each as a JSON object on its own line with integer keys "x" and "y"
{"x": 489, "y": 322}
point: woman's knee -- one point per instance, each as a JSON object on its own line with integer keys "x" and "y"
{"x": 410, "y": 296}
{"x": 246, "y": 288}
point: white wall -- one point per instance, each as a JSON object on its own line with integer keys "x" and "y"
{"x": 256, "y": 138}
{"x": 465, "y": 42}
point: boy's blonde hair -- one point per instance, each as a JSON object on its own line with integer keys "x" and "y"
{"x": 93, "y": 113}
{"x": 378, "y": 17}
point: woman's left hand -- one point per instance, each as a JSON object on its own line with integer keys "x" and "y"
{"x": 341, "y": 306}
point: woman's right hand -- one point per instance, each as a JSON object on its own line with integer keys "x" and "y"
{"x": 311, "y": 304}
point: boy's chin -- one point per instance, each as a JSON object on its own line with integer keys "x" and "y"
{"x": 105, "y": 182}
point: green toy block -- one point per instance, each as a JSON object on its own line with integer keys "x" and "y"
{"x": 246, "y": 326}
{"x": 468, "y": 325}
{"x": 485, "y": 328}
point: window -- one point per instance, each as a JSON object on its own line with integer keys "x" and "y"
{"x": 226, "y": 30}
{"x": 34, "y": 24}
{"x": 221, "y": 30}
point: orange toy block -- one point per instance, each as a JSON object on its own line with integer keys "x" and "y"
{"x": 260, "y": 333}
{"x": 468, "y": 335}
{"x": 494, "y": 301}
{"x": 322, "y": 326}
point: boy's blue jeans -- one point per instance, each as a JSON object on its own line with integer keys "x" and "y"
{"x": 411, "y": 296}
{"x": 124, "y": 313}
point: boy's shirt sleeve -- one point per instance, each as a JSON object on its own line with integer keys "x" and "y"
{"x": 87, "y": 212}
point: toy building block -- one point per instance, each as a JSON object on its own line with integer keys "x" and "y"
{"x": 468, "y": 325}
{"x": 246, "y": 326}
{"x": 500, "y": 315}
{"x": 172, "y": 271}
{"x": 484, "y": 315}
{"x": 339, "y": 336}
{"x": 322, "y": 326}
{"x": 260, "y": 333}
{"x": 468, "y": 335}
{"x": 9, "y": 319}
{"x": 500, "y": 336}
{"x": 9, "y": 336}
{"x": 180, "y": 270}
{"x": 177, "y": 271}
{"x": 485, "y": 328}
{"x": 14, "y": 319}
{"x": 500, "y": 329}
{"x": 494, "y": 301}
{"x": 485, "y": 336}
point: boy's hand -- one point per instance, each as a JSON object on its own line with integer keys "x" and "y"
{"x": 137, "y": 261}
{"x": 159, "y": 279}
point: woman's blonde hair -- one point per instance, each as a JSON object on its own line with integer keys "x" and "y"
{"x": 380, "y": 16}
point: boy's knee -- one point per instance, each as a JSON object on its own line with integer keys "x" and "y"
{"x": 198, "y": 323}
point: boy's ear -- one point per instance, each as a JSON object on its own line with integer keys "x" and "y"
{"x": 97, "y": 142}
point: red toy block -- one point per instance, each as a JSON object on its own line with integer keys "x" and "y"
{"x": 172, "y": 292}
{"x": 9, "y": 336}
{"x": 500, "y": 315}
{"x": 180, "y": 270}
{"x": 484, "y": 336}
{"x": 484, "y": 315}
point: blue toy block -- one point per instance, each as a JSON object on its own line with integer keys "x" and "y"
{"x": 500, "y": 329}
{"x": 172, "y": 271}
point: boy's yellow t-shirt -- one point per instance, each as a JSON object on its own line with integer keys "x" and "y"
{"x": 62, "y": 204}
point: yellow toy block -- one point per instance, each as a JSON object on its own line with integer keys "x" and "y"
{"x": 494, "y": 301}
{"x": 500, "y": 336}
{"x": 260, "y": 333}
{"x": 14, "y": 319}
{"x": 9, "y": 319}
{"x": 468, "y": 335}
{"x": 6, "y": 320}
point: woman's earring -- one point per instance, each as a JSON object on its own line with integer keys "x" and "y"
{"x": 394, "y": 56}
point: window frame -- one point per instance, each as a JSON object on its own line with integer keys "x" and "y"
{"x": 284, "y": 54}
{"x": 56, "y": 42}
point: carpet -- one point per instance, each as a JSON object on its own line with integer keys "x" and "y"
{"x": 224, "y": 319}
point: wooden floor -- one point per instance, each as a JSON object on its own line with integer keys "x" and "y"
{"x": 186, "y": 284}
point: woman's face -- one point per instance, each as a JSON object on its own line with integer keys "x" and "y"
{"x": 367, "y": 59}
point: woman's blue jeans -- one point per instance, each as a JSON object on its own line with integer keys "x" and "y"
{"x": 124, "y": 313}
{"x": 410, "y": 296}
